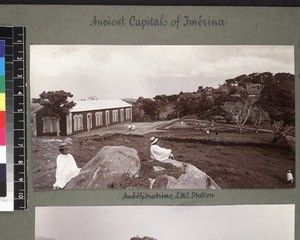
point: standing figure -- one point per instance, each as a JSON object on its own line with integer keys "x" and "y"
{"x": 289, "y": 177}
{"x": 66, "y": 167}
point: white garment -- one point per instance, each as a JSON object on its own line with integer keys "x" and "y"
{"x": 159, "y": 153}
{"x": 66, "y": 169}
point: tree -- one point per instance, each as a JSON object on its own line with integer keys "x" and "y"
{"x": 151, "y": 108}
{"x": 138, "y": 114}
{"x": 201, "y": 106}
{"x": 239, "y": 111}
{"x": 200, "y": 89}
{"x": 286, "y": 80}
{"x": 258, "y": 116}
{"x": 161, "y": 98}
{"x": 172, "y": 98}
{"x": 57, "y": 103}
{"x": 181, "y": 106}
{"x": 279, "y": 103}
{"x": 217, "y": 107}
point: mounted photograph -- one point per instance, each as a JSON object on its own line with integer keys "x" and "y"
{"x": 232, "y": 222}
{"x": 162, "y": 116}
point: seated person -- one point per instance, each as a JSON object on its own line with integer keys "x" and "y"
{"x": 159, "y": 153}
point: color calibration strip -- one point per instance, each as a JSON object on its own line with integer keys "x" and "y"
{"x": 2, "y": 122}
{"x": 7, "y": 203}
{"x": 15, "y": 98}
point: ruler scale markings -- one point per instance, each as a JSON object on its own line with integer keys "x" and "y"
{"x": 20, "y": 130}
{"x": 19, "y": 114}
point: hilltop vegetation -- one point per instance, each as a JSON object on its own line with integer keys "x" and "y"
{"x": 255, "y": 98}
{"x": 205, "y": 101}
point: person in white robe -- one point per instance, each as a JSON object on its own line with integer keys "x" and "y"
{"x": 159, "y": 153}
{"x": 66, "y": 167}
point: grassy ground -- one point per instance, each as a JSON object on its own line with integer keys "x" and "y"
{"x": 232, "y": 160}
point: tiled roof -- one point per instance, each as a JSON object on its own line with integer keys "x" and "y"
{"x": 90, "y": 105}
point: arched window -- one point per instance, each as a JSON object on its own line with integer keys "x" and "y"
{"x": 99, "y": 118}
{"x": 115, "y": 115}
{"x": 78, "y": 122}
{"x": 89, "y": 121}
{"x": 107, "y": 118}
{"x": 122, "y": 115}
{"x": 127, "y": 113}
{"x": 96, "y": 118}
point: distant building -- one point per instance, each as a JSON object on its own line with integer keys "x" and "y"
{"x": 210, "y": 94}
{"x": 254, "y": 89}
{"x": 240, "y": 91}
{"x": 87, "y": 115}
{"x": 185, "y": 95}
{"x": 198, "y": 94}
{"x": 223, "y": 89}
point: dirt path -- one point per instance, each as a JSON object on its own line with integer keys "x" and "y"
{"x": 140, "y": 128}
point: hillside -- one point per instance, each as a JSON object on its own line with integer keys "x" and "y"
{"x": 205, "y": 102}
{"x": 284, "y": 79}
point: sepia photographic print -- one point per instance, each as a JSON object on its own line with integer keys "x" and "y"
{"x": 163, "y": 117}
{"x": 234, "y": 222}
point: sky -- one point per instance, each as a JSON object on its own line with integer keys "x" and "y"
{"x": 131, "y": 71}
{"x": 235, "y": 222}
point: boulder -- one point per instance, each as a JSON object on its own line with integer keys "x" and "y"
{"x": 173, "y": 162}
{"x": 107, "y": 168}
{"x": 193, "y": 178}
{"x": 158, "y": 168}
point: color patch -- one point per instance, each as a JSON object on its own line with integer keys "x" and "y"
{"x": 2, "y": 84}
{"x": 2, "y": 180}
{"x": 2, "y": 66}
{"x": 2, "y": 101}
{"x": 2, "y": 119}
{"x": 2, "y": 48}
{"x": 2, "y": 154}
{"x": 2, "y": 136}
{"x": 2, "y": 172}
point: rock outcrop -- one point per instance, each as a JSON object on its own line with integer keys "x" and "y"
{"x": 107, "y": 168}
{"x": 193, "y": 178}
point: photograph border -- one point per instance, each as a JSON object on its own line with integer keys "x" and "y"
{"x": 70, "y": 24}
